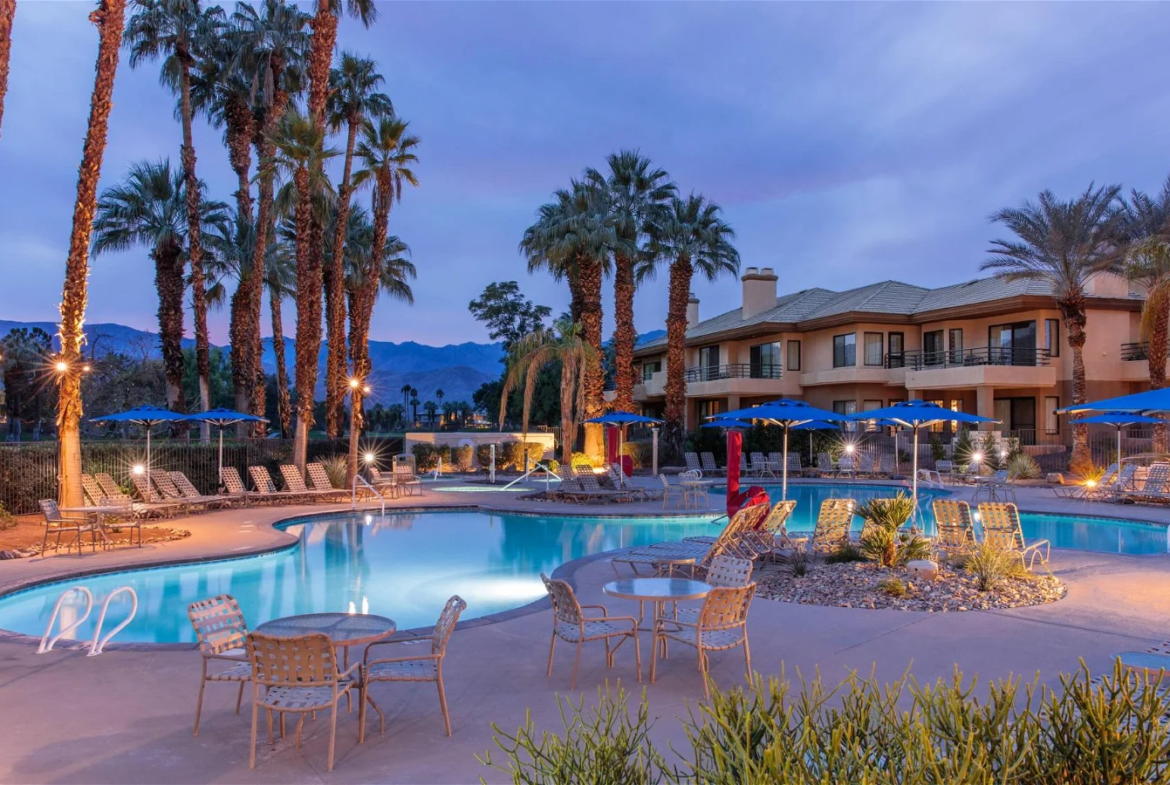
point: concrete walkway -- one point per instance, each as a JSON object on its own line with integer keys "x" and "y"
{"x": 125, "y": 717}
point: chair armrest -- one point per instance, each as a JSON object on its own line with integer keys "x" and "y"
{"x": 600, "y": 607}
{"x": 429, "y": 656}
{"x": 227, "y": 657}
{"x": 366, "y": 653}
{"x": 349, "y": 671}
{"x": 612, "y": 618}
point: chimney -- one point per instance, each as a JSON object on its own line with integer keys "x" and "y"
{"x": 759, "y": 290}
{"x": 692, "y": 311}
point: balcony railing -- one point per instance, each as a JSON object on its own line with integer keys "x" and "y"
{"x": 958, "y": 358}
{"x": 710, "y": 373}
{"x": 1138, "y": 351}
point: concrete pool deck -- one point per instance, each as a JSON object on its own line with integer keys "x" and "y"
{"x": 126, "y": 716}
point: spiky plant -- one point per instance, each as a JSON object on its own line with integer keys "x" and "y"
{"x": 881, "y": 539}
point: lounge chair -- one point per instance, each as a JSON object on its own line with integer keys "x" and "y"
{"x": 573, "y": 626}
{"x": 235, "y": 485}
{"x": 865, "y": 465}
{"x": 887, "y": 465}
{"x": 266, "y": 488}
{"x": 671, "y": 491}
{"x": 1001, "y": 528}
{"x": 710, "y": 468}
{"x": 222, "y": 635}
{"x": 108, "y": 489}
{"x": 692, "y": 460}
{"x": 794, "y": 467}
{"x": 721, "y": 624}
{"x": 954, "y": 528}
{"x": 833, "y": 526}
{"x": 149, "y": 495}
{"x": 824, "y": 464}
{"x": 1121, "y": 485}
{"x": 416, "y": 667}
{"x": 1156, "y": 488}
{"x": 845, "y": 466}
{"x": 299, "y": 675}
{"x": 166, "y": 486}
{"x": 321, "y": 482}
{"x": 1084, "y": 491}
{"x": 188, "y": 491}
{"x": 296, "y": 483}
{"x": 127, "y": 520}
{"x": 58, "y": 523}
{"x": 664, "y": 557}
{"x": 589, "y": 490}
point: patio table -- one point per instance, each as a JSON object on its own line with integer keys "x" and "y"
{"x": 656, "y": 590}
{"x": 692, "y": 488}
{"x": 100, "y": 514}
{"x": 343, "y": 629}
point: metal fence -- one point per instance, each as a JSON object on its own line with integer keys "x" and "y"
{"x": 28, "y": 471}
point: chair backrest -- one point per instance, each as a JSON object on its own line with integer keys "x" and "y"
{"x": 1001, "y": 525}
{"x": 692, "y": 460}
{"x": 824, "y": 461}
{"x": 293, "y": 479}
{"x": 564, "y": 600}
{"x": 944, "y": 466}
{"x": 1109, "y": 475}
{"x": 886, "y": 464}
{"x": 1125, "y": 475}
{"x": 93, "y": 491}
{"x": 51, "y": 511}
{"x": 302, "y": 661}
{"x": 777, "y": 521}
{"x": 612, "y": 474}
{"x": 665, "y": 482}
{"x": 845, "y": 462}
{"x": 1156, "y": 479}
{"x": 729, "y": 571}
{"x": 833, "y": 523}
{"x": 144, "y": 488}
{"x": 110, "y": 489}
{"x": 232, "y": 480}
{"x": 1000, "y": 475}
{"x": 588, "y": 482}
{"x": 726, "y": 607}
{"x": 262, "y": 479}
{"x": 865, "y": 462}
{"x": 318, "y": 476}
{"x": 953, "y": 523}
{"x": 166, "y": 486}
{"x": 708, "y": 461}
{"x": 185, "y": 486}
{"x": 775, "y": 457}
{"x": 734, "y": 537}
{"x": 446, "y": 624}
{"x": 794, "y": 462}
{"x": 219, "y": 624}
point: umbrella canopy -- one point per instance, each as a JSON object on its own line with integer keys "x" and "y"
{"x": 1118, "y": 420}
{"x": 621, "y": 418}
{"x": 1149, "y": 401}
{"x": 223, "y": 418}
{"x": 147, "y": 417}
{"x": 726, "y": 423}
{"x": 786, "y": 413}
{"x": 816, "y": 425}
{"x": 916, "y": 415}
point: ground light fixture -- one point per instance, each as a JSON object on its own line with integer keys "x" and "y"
{"x": 138, "y": 469}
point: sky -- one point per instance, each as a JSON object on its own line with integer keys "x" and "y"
{"x": 847, "y": 143}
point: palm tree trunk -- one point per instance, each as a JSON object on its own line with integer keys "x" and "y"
{"x": 1156, "y": 357}
{"x": 168, "y": 279}
{"x": 623, "y": 334}
{"x": 676, "y": 336}
{"x": 239, "y": 136}
{"x": 362, "y": 311}
{"x": 194, "y": 245}
{"x": 283, "y": 402}
{"x": 109, "y": 19}
{"x": 589, "y": 278}
{"x": 7, "y": 12}
{"x": 324, "y": 26}
{"x": 309, "y": 286}
{"x": 568, "y": 397}
{"x": 335, "y": 369}
{"x": 1074, "y": 324}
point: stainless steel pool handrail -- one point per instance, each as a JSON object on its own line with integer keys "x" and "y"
{"x": 99, "y": 643}
{"x": 358, "y": 478}
{"x": 47, "y": 643}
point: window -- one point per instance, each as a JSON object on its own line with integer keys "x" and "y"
{"x": 794, "y": 355}
{"x": 1051, "y": 418}
{"x": 869, "y": 406}
{"x": 956, "y": 406}
{"x": 1012, "y": 344}
{"x": 845, "y": 407}
{"x": 844, "y": 350}
{"x": 764, "y": 361}
{"x": 704, "y": 409}
{"x": 933, "y": 352}
{"x": 897, "y": 348}
{"x": 708, "y": 363}
{"x": 955, "y": 337}
{"x": 650, "y": 368}
{"x": 874, "y": 343}
{"x": 938, "y": 426}
{"x": 1052, "y": 339}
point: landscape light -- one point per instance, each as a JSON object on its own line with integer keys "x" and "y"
{"x": 849, "y": 448}
{"x": 85, "y": 368}
{"x": 1090, "y": 483}
{"x": 353, "y": 384}
{"x": 366, "y": 390}
{"x": 138, "y": 468}
{"x": 62, "y": 366}
{"x": 976, "y": 456}
{"x": 370, "y": 457}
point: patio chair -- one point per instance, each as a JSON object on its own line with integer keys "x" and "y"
{"x": 417, "y": 667}
{"x": 945, "y": 469}
{"x": 58, "y": 523}
{"x": 824, "y": 464}
{"x": 1001, "y": 527}
{"x": 794, "y": 467}
{"x": 572, "y": 626}
{"x": 1155, "y": 488}
{"x": 149, "y": 495}
{"x": 1079, "y": 491}
{"x": 266, "y": 488}
{"x": 407, "y": 481}
{"x": 887, "y": 465}
{"x": 724, "y": 571}
{"x": 834, "y": 523}
{"x": 321, "y": 482}
{"x": 760, "y": 467}
{"x": 1125, "y": 482}
{"x": 865, "y": 465}
{"x": 295, "y": 482}
{"x": 721, "y": 625}
{"x": 299, "y": 675}
{"x": 692, "y": 460}
{"x": 772, "y": 534}
{"x": 110, "y": 490}
{"x": 955, "y": 530}
{"x": 222, "y": 635}
{"x": 776, "y": 461}
{"x": 234, "y": 484}
{"x": 384, "y": 481}
{"x": 845, "y": 466}
{"x": 127, "y": 520}
{"x": 992, "y": 486}
{"x": 188, "y": 491}
{"x": 740, "y": 538}
{"x": 671, "y": 491}
{"x": 709, "y": 466}
{"x": 591, "y": 491}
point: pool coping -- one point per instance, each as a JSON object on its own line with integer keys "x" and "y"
{"x": 566, "y": 571}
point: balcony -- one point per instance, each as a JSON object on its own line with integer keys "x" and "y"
{"x": 994, "y": 366}
{"x": 710, "y": 373}
{"x": 650, "y": 386}
{"x": 735, "y": 379}
{"x": 1138, "y": 351}
{"x": 961, "y": 358}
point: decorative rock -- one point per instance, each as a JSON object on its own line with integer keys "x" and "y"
{"x": 922, "y": 568}
{"x": 1055, "y": 478}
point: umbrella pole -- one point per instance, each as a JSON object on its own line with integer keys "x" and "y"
{"x": 916, "y": 470}
{"x": 784, "y": 486}
{"x": 220, "y": 472}
{"x": 1119, "y": 449}
{"x": 148, "y": 490}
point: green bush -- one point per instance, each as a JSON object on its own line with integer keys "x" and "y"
{"x": 535, "y": 453}
{"x": 774, "y": 730}
{"x": 639, "y": 453}
{"x": 845, "y": 554}
{"x": 799, "y": 561}
{"x": 7, "y": 520}
{"x": 894, "y": 587}
{"x": 881, "y": 540}
{"x": 1022, "y": 466}
{"x": 510, "y": 455}
{"x": 991, "y": 565}
{"x": 336, "y": 467}
{"x": 483, "y": 456}
{"x": 461, "y": 458}
{"x": 426, "y": 457}
{"x": 937, "y": 451}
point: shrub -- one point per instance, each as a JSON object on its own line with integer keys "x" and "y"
{"x": 639, "y": 453}
{"x": 443, "y": 451}
{"x": 7, "y": 520}
{"x": 894, "y": 587}
{"x": 881, "y": 540}
{"x": 553, "y": 465}
{"x": 535, "y": 453}
{"x": 964, "y": 449}
{"x": 336, "y": 467}
{"x": 1022, "y": 466}
{"x": 426, "y": 458}
{"x": 483, "y": 456}
{"x": 845, "y": 554}
{"x": 583, "y": 461}
{"x": 510, "y": 455}
{"x": 798, "y": 562}
{"x": 991, "y": 565}
{"x": 937, "y": 452}
{"x": 461, "y": 458}
{"x": 989, "y": 450}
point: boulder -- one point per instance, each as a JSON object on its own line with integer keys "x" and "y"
{"x": 922, "y": 569}
{"x": 1055, "y": 478}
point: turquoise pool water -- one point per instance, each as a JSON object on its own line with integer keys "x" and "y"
{"x": 406, "y": 565}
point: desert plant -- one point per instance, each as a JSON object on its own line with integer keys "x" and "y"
{"x": 991, "y": 565}
{"x": 964, "y": 448}
{"x": 937, "y": 451}
{"x": 845, "y": 554}
{"x": 7, "y": 519}
{"x": 881, "y": 541}
{"x": 461, "y": 458}
{"x": 483, "y": 456}
{"x": 989, "y": 451}
{"x": 335, "y": 468}
{"x": 798, "y": 562}
{"x": 1022, "y": 466}
{"x": 426, "y": 458}
{"x": 510, "y": 455}
{"x": 639, "y": 453}
{"x": 893, "y": 587}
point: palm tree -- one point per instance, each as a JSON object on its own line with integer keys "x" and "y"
{"x": 353, "y": 98}
{"x": 172, "y": 30}
{"x": 440, "y": 395}
{"x": 691, "y": 239}
{"x": 431, "y": 408}
{"x": 280, "y": 280}
{"x": 414, "y": 404}
{"x": 572, "y": 240}
{"x": 299, "y": 157}
{"x": 272, "y": 44}
{"x": 563, "y": 344}
{"x": 637, "y": 196}
{"x": 1064, "y": 244}
{"x": 405, "y": 394}
{"x": 148, "y": 208}
{"x": 1147, "y": 261}
{"x": 108, "y": 17}
{"x": 7, "y": 12}
{"x": 321, "y": 48}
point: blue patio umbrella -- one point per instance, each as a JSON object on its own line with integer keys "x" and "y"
{"x": 786, "y": 413}
{"x": 622, "y": 419}
{"x": 916, "y": 415}
{"x": 726, "y": 423}
{"x": 1118, "y": 420}
{"x": 814, "y": 425}
{"x": 147, "y": 417}
{"x": 223, "y": 418}
{"x": 1145, "y": 402}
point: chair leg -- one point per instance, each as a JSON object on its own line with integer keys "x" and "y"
{"x": 637, "y": 655}
{"x": 271, "y": 737}
{"x": 576, "y": 664}
{"x": 199, "y": 701}
{"x": 239, "y": 697}
{"x": 332, "y": 733}
{"x": 255, "y": 720}
{"x": 654, "y": 655}
{"x": 362, "y": 698}
{"x": 552, "y": 647}
{"x": 703, "y": 666}
{"x": 747, "y": 656}
{"x": 443, "y": 702}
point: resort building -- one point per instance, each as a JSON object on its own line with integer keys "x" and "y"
{"x": 988, "y": 346}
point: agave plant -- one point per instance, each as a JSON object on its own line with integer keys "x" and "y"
{"x": 882, "y": 540}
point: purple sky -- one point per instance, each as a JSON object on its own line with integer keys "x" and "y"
{"x": 848, "y": 143}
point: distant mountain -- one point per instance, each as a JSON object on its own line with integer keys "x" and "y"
{"x": 650, "y": 336}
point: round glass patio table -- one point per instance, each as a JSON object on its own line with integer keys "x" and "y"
{"x": 344, "y": 629}
{"x": 1148, "y": 662}
{"x": 656, "y": 590}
